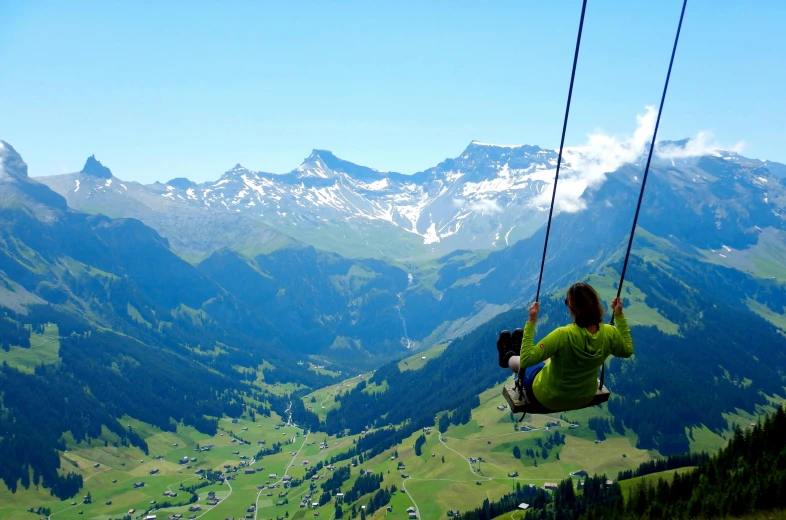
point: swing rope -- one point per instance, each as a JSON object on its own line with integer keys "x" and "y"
{"x": 646, "y": 172}
{"x": 561, "y": 145}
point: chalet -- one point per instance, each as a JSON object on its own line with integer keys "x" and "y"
{"x": 609, "y": 482}
{"x": 389, "y": 509}
{"x": 154, "y": 471}
{"x": 579, "y": 473}
{"x": 502, "y": 407}
{"x": 213, "y": 502}
{"x": 405, "y": 475}
{"x": 413, "y": 515}
{"x": 131, "y": 511}
{"x": 199, "y": 471}
{"x": 195, "y": 508}
{"x": 150, "y": 517}
{"x": 260, "y": 486}
{"x": 211, "y": 494}
{"x": 193, "y": 459}
{"x": 280, "y": 503}
{"x": 523, "y": 506}
{"x": 339, "y": 495}
{"x": 315, "y": 477}
{"x": 314, "y": 504}
{"x": 550, "y": 486}
{"x": 234, "y": 421}
{"x": 330, "y": 467}
{"x": 514, "y": 474}
{"x": 249, "y": 515}
{"x": 286, "y": 478}
{"x": 96, "y": 465}
{"x": 598, "y": 442}
{"x": 139, "y": 484}
{"x": 411, "y": 509}
{"x": 109, "y": 502}
{"x": 273, "y": 475}
{"x": 235, "y": 453}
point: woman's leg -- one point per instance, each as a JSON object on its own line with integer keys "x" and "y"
{"x": 514, "y": 363}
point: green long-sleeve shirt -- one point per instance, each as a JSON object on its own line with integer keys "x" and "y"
{"x": 570, "y": 381}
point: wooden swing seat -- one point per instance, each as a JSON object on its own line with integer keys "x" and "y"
{"x": 522, "y": 404}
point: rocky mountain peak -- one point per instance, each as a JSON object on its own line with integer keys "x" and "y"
{"x": 181, "y": 183}
{"x": 11, "y": 163}
{"x": 94, "y": 168}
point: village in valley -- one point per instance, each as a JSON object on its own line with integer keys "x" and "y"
{"x": 260, "y": 467}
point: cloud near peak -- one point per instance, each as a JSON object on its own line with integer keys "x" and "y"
{"x": 586, "y": 166}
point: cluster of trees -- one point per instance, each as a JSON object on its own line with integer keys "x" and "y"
{"x": 419, "y": 442}
{"x": 601, "y": 426}
{"x": 380, "y": 499}
{"x": 333, "y": 483}
{"x": 600, "y": 497}
{"x": 376, "y": 442}
{"x": 268, "y": 450}
{"x": 671, "y": 462}
{"x": 534, "y": 496}
{"x": 313, "y": 470}
{"x": 13, "y": 333}
{"x": 364, "y": 484}
{"x": 461, "y": 415}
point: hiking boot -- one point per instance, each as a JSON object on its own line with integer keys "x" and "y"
{"x": 504, "y": 348}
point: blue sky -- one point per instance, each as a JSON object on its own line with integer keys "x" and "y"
{"x": 161, "y": 90}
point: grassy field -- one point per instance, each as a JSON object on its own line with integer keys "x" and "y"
{"x": 44, "y": 350}
{"x": 628, "y": 485}
{"x": 419, "y": 360}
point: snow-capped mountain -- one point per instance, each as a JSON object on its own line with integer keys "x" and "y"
{"x": 479, "y": 200}
{"x": 488, "y": 197}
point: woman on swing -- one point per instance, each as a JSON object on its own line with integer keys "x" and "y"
{"x": 560, "y": 372}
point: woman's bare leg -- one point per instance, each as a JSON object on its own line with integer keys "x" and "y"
{"x": 514, "y": 363}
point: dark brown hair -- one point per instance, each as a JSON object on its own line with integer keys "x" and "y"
{"x": 585, "y": 304}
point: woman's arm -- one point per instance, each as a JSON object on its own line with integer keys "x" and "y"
{"x": 622, "y": 343}
{"x": 532, "y": 354}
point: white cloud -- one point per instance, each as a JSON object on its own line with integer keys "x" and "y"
{"x": 698, "y": 146}
{"x": 586, "y": 166}
{"x": 485, "y": 206}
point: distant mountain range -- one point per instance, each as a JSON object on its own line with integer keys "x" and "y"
{"x": 487, "y": 198}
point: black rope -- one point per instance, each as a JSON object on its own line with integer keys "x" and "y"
{"x": 652, "y": 147}
{"x": 561, "y": 144}
{"x": 647, "y": 170}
